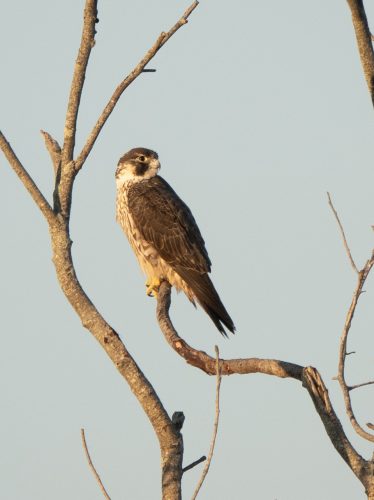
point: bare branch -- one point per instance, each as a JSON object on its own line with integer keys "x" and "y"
{"x": 364, "y": 42}
{"x": 191, "y": 466}
{"x": 26, "y": 180}
{"x": 202, "y": 360}
{"x": 215, "y": 428}
{"x": 92, "y": 467}
{"x": 309, "y": 376}
{"x": 53, "y": 149}
{"x": 362, "y": 275}
{"x": 87, "y": 42}
{"x": 169, "y": 438}
{"x": 343, "y": 234}
{"x": 351, "y": 387}
{"x": 139, "y": 68}
{"x": 312, "y": 380}
{"x": 371, "y": 426}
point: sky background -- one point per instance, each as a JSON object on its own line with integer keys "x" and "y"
{"x": 256, "y": 110}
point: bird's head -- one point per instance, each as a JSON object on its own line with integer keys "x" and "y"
{"x": 136, "y": 165}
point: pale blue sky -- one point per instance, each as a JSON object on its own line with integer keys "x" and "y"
{"x": 256, "y": 110}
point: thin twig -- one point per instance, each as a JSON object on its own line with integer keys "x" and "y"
{"x": 362, "y": 275}
{"x": 196, "y": 462}
{"x": 343, "y": 234}
{"x": 26, "y": 180}
{"x": 139, "y": 68}
{"x": 215, "y": 428}
{"x": 92, "y": 467}
{"x": 351, "y": 387}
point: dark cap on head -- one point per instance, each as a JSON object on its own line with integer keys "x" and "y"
{"x": 135, "y": 152}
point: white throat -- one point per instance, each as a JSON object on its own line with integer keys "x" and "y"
{"x": 128, "y": 176}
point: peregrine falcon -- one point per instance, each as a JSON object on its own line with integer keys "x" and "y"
{"x": 164, "y": 235}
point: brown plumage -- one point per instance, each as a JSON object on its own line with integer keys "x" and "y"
{"x": 164, "y": 234}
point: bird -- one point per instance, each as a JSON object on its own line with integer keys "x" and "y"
{"x": 164, "y": 235}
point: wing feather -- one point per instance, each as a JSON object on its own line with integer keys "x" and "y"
{"x": 166, "y": 222}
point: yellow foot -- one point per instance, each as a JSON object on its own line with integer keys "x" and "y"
{"x": 152, "y": 287}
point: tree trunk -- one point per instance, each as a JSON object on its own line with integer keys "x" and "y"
{"x": 172, "y": 458}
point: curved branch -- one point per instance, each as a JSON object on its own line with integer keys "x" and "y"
{"x": 139, "y": 68}
{"x": 202, "y": 360}
{"x": 309, "y": 376}
{"x": 169, "y": 436}
{"x": 26, "y": 180}
{"x": 362, "y": 275}
{"x": 364, "y": 42}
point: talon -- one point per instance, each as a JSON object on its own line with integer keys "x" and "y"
{"x": 152, "y": 287}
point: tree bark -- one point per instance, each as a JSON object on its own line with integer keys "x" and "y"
{"x": 364, "y": 42}
{"x": 170, "y": 439}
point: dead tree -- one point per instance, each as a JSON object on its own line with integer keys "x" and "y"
{"x": 67, "y": 164}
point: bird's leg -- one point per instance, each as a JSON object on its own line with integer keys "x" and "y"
{"x": 153, "y": 284}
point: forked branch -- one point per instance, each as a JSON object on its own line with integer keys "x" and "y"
{"x": 362, "y": 276}
{"x": 139, "y": 68}
{"x": 309, "y": 376}
{"x": 170, "y": 439}
{"x": 343, "y": 353}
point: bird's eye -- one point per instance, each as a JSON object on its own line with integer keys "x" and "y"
{"x": 141, "y": 158}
